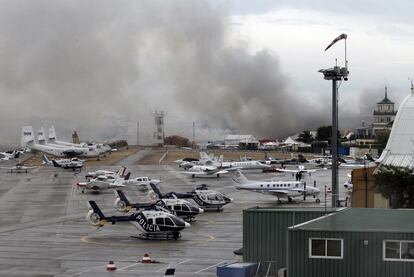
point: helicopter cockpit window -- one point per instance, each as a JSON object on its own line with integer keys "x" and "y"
{"x": 211, "y": 197}
{"x": 169, "y": 222}
{"x": 186, "y": 208}
{"x": 159, "y": 221}
{"x": 219, "y": 198}
{"x": 177, "y": 208}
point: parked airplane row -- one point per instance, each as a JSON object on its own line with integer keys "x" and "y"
{"x": 210, "y": 165}
{"x": 59, "y": 148}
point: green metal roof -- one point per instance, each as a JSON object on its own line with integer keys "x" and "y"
{"x": 363, "y": 220}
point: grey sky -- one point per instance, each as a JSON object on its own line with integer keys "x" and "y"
{"x": 250, "y": 66}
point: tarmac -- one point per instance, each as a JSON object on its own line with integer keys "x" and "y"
{"x": 43, "y": 231}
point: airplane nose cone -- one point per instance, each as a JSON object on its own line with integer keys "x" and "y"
{"x": 231, "y": 200}
{"x": 200, "y": 210}
{"x": 187, "y": 225}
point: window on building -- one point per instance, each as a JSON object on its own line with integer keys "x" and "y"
{"x": 326, "y": 248}
{"x": 396, "y": 250}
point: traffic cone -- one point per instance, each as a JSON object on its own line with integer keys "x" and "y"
{"x": 146, "y": 259}
{"x": 110, "y": 266}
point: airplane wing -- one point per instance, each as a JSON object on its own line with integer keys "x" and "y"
{"x": 114, "y": 185}
{"x": 204, "y": 173}
{"x": 288, "y": 170}
{"x": 7, "y": 168}
{"x": 29, "y": 167}
{"x": 282, "y": 192}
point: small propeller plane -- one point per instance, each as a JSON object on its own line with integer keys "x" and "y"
{"x": 202, "y": 196}
{"x": 179, "y": 207}
{"x": 19, "y": 168}
{"x": 151, "y": 223}
{"x": 103, "y": 182}
{"x": 73, "y": 163}
{"x": 299, "y": 171}
{"x": 280, "y": 189}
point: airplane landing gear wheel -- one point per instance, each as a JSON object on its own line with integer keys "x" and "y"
{"x": 318, "y": 200}
{"x": 290, "y": 199}
{"x": 279, "y": 201}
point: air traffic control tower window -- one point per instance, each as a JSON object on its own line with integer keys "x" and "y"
{"x": 397, "y": 250}
{"x": 325, "y": 248}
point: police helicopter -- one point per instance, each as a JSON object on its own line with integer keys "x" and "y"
{"x": 152, "y": 224}
{"x": 202, "y": 196}
{"x": 178, "y": 207}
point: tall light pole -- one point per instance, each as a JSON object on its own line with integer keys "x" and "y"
{"x": 335, "y": 74}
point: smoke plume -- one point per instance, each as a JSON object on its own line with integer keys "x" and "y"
{"x": 100, "y": 66}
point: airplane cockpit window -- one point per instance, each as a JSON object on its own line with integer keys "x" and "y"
{"x": 169, "y": 222}
{"x": 139, "y": 179}
{"x": 159, "y": 221}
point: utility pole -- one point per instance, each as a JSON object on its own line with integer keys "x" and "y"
{"x": 193, "y": 134}
{"x": 137, "y": 132}
{"x": 335, "y": 74}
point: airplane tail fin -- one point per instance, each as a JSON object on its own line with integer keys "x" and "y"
{"x": 238, "y": 177}
{"x": 27, "y": 135}
{"x": 45, "y": 160}
{"x": 121, "y": 172}
{"x": 95, "y": 216}
{"x": 41, "y": 135}
{"x": 302, "y": 159}
{"x": 55, "y": 164}
{"x": 52, "y": 134}
{"x": 156, "y": 190}
{"x": 127, "y": 176}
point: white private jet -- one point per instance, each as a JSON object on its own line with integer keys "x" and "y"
{"x": 280, "y": 189}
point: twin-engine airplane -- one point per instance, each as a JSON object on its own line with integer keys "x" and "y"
{"x": 178, "y": 207}
{"x": 152, "y": 224}
{"x": 280, "y": 189}
{"x": 73, "y": 163}
{"x": 202, "y": 196}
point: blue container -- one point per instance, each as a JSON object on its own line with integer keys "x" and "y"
{"x": 342, "y": 150}
{"x": 237, "y": 270}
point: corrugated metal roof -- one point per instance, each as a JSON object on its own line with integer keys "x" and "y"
{"x": 400, "y": 146}
{"x": 364, "y": 220}
{"x": 240, "y": 137}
